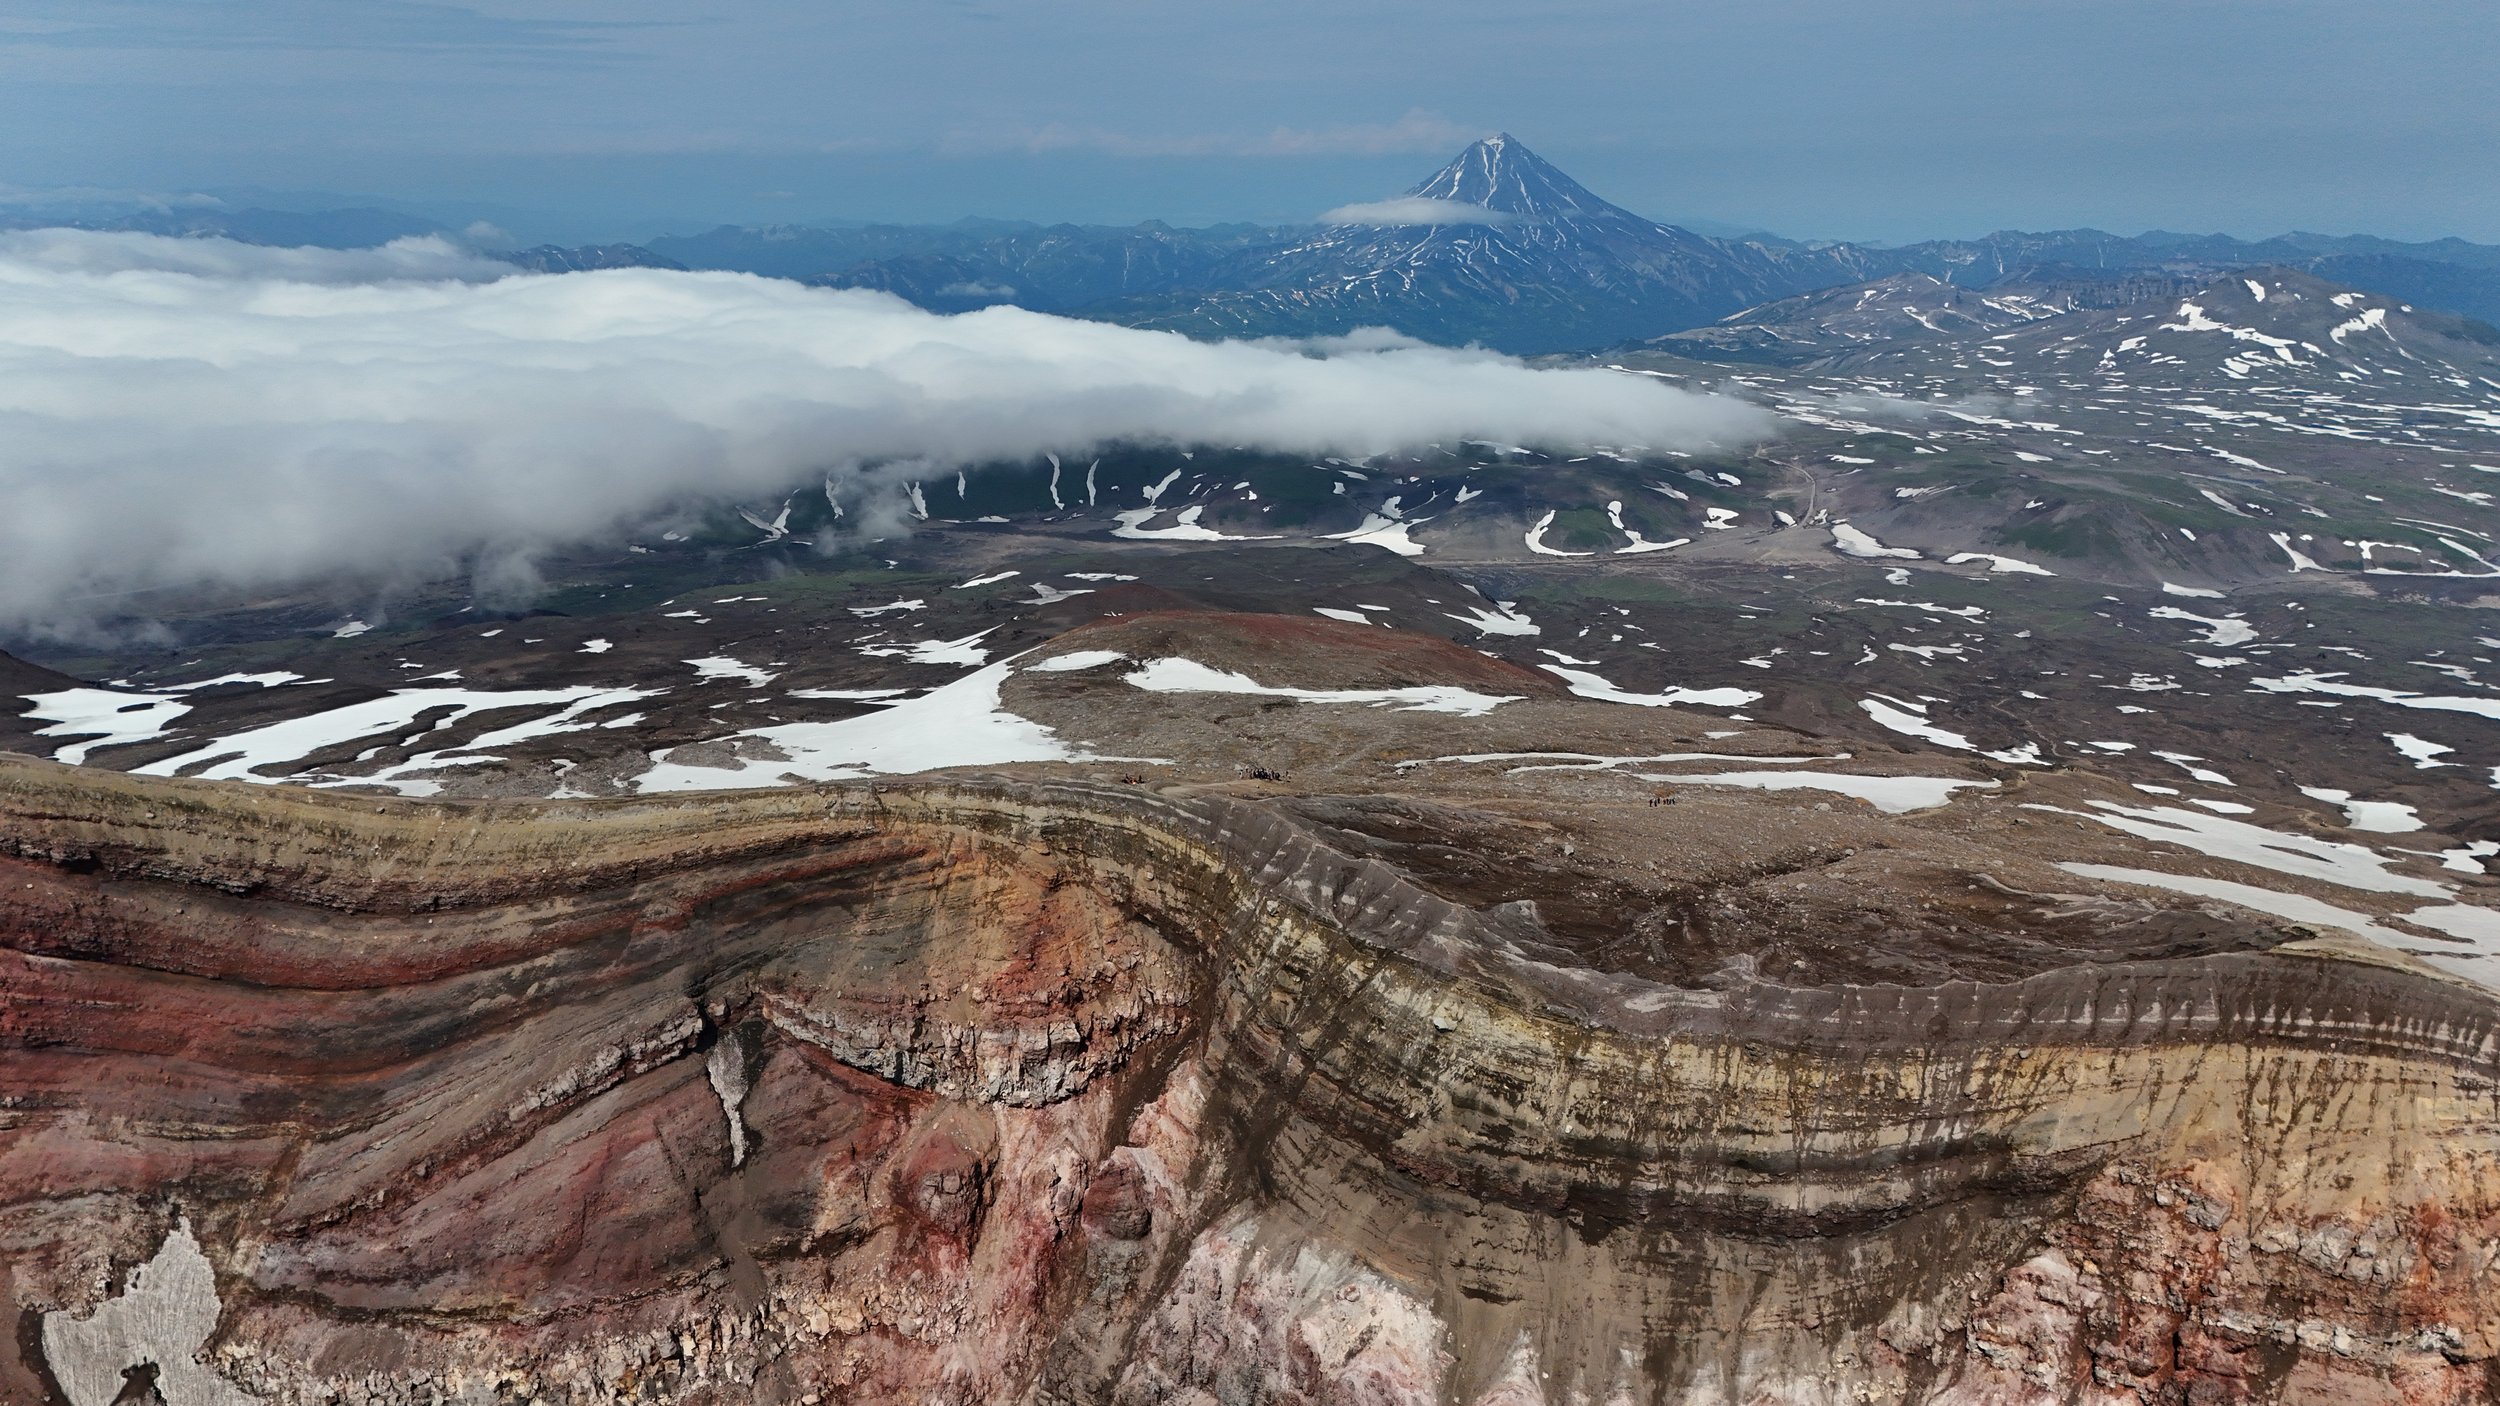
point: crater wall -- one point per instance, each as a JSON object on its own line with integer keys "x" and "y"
{"x": 1058, "y": 1092}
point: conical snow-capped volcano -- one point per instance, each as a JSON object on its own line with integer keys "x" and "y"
{"x": 1502, "y": 175}
{"x": 1498, "y": 248}
{"x": 1551, "y": 267}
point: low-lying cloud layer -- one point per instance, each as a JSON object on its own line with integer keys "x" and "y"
{"x": 1415, "y": 210}
{"x": 428, "y": 258}
{"x": 184, "y": 412}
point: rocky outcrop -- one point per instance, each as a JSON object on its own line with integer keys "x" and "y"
{"x": 1068, "y": 1093}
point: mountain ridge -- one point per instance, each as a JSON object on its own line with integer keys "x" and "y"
{"x": 1549, "y": 267}
{"x": 1554, "y": 267}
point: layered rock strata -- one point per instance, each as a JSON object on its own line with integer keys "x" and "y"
{"x": 983, "y": 1092}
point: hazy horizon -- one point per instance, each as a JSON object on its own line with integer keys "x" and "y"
{"x": 574, "y": 122}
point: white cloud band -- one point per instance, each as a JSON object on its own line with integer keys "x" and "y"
{"x": 177, "y": 412}
{"x": 1414, "y": 210}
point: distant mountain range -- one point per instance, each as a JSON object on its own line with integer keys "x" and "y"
{"x": 2265, "y": 423}
{"x": 555, "y": 258}
{"x": 1910, "y": 306}
{"x": 1498, "y": 248}
{"x": 2264, "y": 330}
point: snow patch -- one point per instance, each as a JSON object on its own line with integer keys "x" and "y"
{"x": 164, "y": 1315}
{"x": 1851, "y": 541}
{"x": 1075, "y": 661}
{"x": 2301, "y": 856}
{"x": 1185, "y": 528}
{"x": 1536, "y": 539}
{"x": 960, "y": 651}
{"x": 1174, "y": 675}
{"x": 1588, "y": 685}
{"x": 963, "y": 723}
{"x": 2298, "y": 908}
{"x": 1910, "y": 720}
{"x": 2222, "y": 633}
{"x": 2378, "y": 817}
{"x": 1389, "y": 533}
{"x": 2011, "y": 565}
{"x": 242, "y": 756}
{"x": 1890, "y": 794}
{"x": 104, "y": 717}
{"x": 1501, "y": 618}
{"x": 2326, "y": 683}
{"x": 2300, "y": 560}
{"x": 721, "y": 666}
{"x": 2421, "y": 751}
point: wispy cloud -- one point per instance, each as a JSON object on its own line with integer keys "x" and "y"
{"x": 1415, "y": 210}
{"x": 74, "y": 197}
{"x": 1418, "y": 131}
{"x": 402, "y": 26}
{"x": 183, "y": 412}
{"x": 46, "y": 254}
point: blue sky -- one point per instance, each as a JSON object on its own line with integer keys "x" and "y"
{"x": 577, "y": 120}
